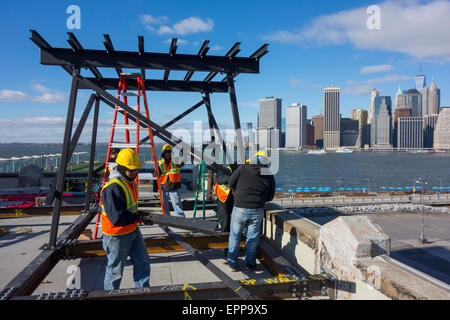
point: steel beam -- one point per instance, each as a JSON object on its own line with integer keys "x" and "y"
{"x": 92, "y": 153}
{"x": 213, "y": 121}
{"x": 236, "y": 120}
{"x": 265, "y": 288}
{"x": 76, "y": 135}
{"x": 147, "y": 60}
{"x": 110, "y": 49}
{"x": 75, "y": 44}
{"x": 64, "y": 158}
{"x": 161, "y": 85}
{"x": 197, "y": 225}
{"x": 94, "y": 248}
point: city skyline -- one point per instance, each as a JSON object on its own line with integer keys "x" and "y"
{"x": 303, "y": 56}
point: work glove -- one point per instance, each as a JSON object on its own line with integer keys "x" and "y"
{"x": 142, "y": 219}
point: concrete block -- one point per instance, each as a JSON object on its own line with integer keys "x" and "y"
{"x": 346, "y": 240}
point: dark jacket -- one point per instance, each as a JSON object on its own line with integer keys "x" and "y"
{"x": 223, "y": 177}
{"x": 251, "y": 189}
{"x": 115, "y": 204}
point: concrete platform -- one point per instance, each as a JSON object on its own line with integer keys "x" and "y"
{"x": 21, "y": 245}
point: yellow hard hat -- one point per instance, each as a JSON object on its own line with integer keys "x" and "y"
{"x": 261, "y": 156}
{"x": 167, "y": 147}
{"x": 261, "y": 153}
{"x": 129, "y": 159}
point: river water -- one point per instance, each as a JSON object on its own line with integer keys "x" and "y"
{"x": 353, "y": 170}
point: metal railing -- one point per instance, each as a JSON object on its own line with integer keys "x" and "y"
{"x": 364, "y": 200}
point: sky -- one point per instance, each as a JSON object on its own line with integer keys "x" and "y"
{"x": 354, "y": 45}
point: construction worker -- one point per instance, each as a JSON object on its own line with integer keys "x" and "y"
{"x": 120, "y": 217}
{"x": 170, "y": 180}
{"x": 225, "y": 198}
{"x": 252, "y": 190}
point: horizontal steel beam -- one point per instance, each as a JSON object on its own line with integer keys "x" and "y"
{"x": 197, "y": 225}
{"x": 265, "y": 288}
{"x": 161, "y": 85}
{"x": 94, "y": 248}
{"x": 147, "y": 60}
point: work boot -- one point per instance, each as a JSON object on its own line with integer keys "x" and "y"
{"x": 249, "y": 266}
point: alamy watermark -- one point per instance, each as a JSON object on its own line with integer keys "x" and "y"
{"x": 374, "y": 20}
{"x": 223, "y": 148}
{"x": 74, "y": 20}
{"x": 74, "y": 280}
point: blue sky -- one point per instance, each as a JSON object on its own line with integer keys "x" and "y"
{"x": 312, "y": 45}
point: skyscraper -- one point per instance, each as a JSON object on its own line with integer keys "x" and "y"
{"x": 309, "y": 134}
{"x": 361, "y": 116}
{"x": 317, "y": 122}
{"x": 413, "y": 100}
{"x": 398, "y": 113}
{"x": 332, "y": 118}
{"x": 410, "y": 133}
{"x": 399, "y": 99}
{"x": 434, "y": 99}
{"x": 375, "y": 93}
{"x": 249, "y": 138}
{"x": 349, "y": 132}
{"x": 420, "y": 82}
{"x": 442, "y": 130}
{"x": 296, "y": 126}
{"x": 381, "y": 124}
{"x": 429, "y": 125}
{"x": 269, "y": 122}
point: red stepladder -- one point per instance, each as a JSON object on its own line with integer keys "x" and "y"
{"x": 122, "y": 92}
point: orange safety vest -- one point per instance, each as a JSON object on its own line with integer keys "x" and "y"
{"x": 131, "y": 195}
{"x": 222, "y": 191}
{"x": 171, "y": 171}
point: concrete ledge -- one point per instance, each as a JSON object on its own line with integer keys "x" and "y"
{"x": 352, "y": 249}
{"x": 306, "y": 230}
{"x": 399, "y": 282}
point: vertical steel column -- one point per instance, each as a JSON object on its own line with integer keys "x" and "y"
{"x": 226, "y": 157}
{"x": 210, "y": 120}
{"x": 236, "y": 120}
{"x": 92, "y": 154}
{"x": 64, "y": 158}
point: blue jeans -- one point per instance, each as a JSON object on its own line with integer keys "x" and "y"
{"x": 175, "y": 199}
{"x": 241, "y": 218}
{"x": 118, "y": 248}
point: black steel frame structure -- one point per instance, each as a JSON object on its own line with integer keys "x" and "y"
{"x": 75, "y": 59}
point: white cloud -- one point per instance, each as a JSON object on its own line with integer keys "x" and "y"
{"x": 188, "y": 26}
{"x": 410, "y": 27}
{"x": 216, "y": 48}
{"x": 13, "y": 95}
{"x": 148, "y": 19}
{"x": 385, "y": 79}
{"x": 375, "y": 69}
{"x": 47, "y": 95}
{"x": 48, "y": 129}
{"x": 179, "y": 41}
{"x": 305, "y": 84}
{"x": 361, "y": 87}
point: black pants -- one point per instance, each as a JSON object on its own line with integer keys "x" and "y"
{"x": 224, "y": 210}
